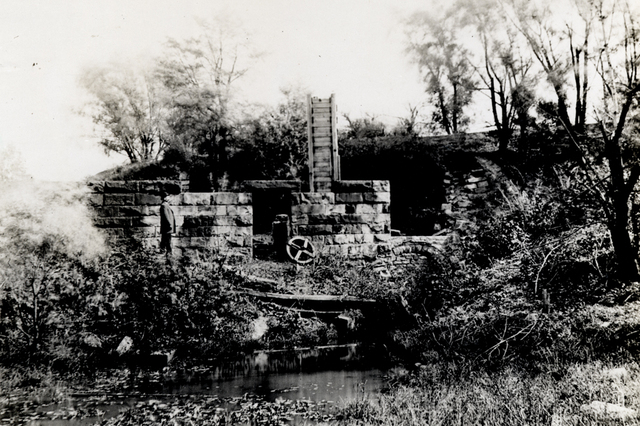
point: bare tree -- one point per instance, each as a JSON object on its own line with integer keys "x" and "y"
{"x": 409, "y": 126}
{"x": 502, "y": 67}
{"x": 561, "y": 47}
{"x": 618, "y": 62}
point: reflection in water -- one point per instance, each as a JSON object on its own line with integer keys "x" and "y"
{"x": 331, "y": 374}
{"x": 332, "y": 385}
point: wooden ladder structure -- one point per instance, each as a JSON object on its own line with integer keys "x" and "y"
{"x": 324, "y": 161}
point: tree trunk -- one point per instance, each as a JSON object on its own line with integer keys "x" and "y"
{"x": 454, "y": 112}
{"x": 618, "y": 222}
{"x": 625, "y": 253}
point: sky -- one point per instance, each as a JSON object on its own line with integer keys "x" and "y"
{"x": 352, "y": 48}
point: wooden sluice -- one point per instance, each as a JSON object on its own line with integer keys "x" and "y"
{"x": 308, "y": 303}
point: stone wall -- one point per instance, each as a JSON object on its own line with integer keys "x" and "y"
{"x": 465, "y": 192}
{"x": 352, "y": 220}
{"x": 131, "y": 209}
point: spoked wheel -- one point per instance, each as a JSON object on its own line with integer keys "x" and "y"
{"x": 300, "y": 250}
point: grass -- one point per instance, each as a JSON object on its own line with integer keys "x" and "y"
{"x": 447, "y": 395}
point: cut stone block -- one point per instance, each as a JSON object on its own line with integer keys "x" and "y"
{"x": 121, "y": 187}
{"x": 293, "y": 185}
{"x": 112, "y": 222}
{"x": 245, "y": 198}
{"x": 300, "y": 219}
{"x": 195, "y": 198}
{"x": 95, "y": 199}
{"x": 144, "y": 221}
{"x": 337, "y": 209}
{"x": 312, "y": 198}
{"x": 96, "y": 187}
{"x": 377, "y": 197}
{"x": 239, "y": 210}
{"x": 314, "y": 230}
{"x": 141, "y": 232}
{"x": 349, "y": 197}
{"x": 244, "y": 220}
{"x": 343, "y": 239}
{"x": 309, "y": 209}
{"x": 366, "y": 209}
{"x": 224, "y": 198}
{"x": 119, "y": 199}
{"x": 382, "y": 238}
{"x": 323, "y": 219}
{"x": 148, "y": 199}
{"x": 361, "y": 186}
{"x": 130, "y": 211}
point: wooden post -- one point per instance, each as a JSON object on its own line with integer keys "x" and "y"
{"x": 334, "y": 136}
{"x": 310, "y": 142}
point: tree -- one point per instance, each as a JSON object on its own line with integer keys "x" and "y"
{"x": 444, "y": 63}
{"x": 362, "y": 128}
{"x": 127, "y": 106}
{"x": 199, "y": 75}
{"x": 618, "y": 62}
{"x": 561, "y": 47}
{"x": 409, "y": 126}
{"x": 609, "y": 164}
{"x": 47, "y": 235}
{"x": 274, "y": 143}
{"x": 502, "y": 67}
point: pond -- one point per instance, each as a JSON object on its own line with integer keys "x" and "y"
{"x": 319, "y": 376}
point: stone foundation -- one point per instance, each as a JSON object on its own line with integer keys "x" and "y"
{"x": 221, "y": 221}
{"x": 352, "y": 220}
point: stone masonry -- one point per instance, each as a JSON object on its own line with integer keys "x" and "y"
{"x": 352, "y": 220}
{"x": 130, "y": 209}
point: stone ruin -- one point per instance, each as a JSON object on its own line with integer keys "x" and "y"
{"x": 353, "y": 219}
{"x": 343, "y": 217}
{"x": 349, "y": 218}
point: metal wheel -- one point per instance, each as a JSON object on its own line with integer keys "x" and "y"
{"x": 300, "y": 250}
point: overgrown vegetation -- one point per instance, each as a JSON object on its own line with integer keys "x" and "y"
{"x": 447, "y": 394}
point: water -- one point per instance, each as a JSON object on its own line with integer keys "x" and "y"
{"x": 332, "y": 374}
{"x": 332, "y": 386}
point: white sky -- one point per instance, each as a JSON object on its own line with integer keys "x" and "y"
{"x": 353, "y": 48}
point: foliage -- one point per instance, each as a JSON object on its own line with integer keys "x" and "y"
{"x": 47, "y": 242}
{"x": 273, "y": 145}
{"x": 163, "y": 307}
{"x": 127, "y": 107}
{"x": 362, "y": 128}
{"x": 443, "y": 61}
{"x": 517, "y": 285}
{"x": 210, "y": 410}
{"x": 181, "y": 107}
{"x": 411, "y": 125}
{"x": 447, "y": 394}
{"x": 198, "y": 76}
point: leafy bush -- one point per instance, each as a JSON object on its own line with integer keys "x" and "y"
{"x": 47, "y": 242}
{"x": 514, "y": 285}
{"x": 161, "y": 306}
